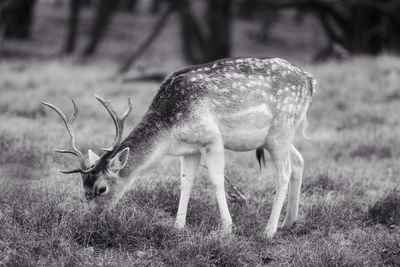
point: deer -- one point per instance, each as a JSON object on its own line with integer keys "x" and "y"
{"x": 239, "y": 104}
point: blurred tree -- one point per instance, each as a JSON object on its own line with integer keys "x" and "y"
{"x": 105, "y": 10}
{"x": 83, "y": 3}
{"x": 202, "y": 41}
{"x": 17, "y": 18}
{"x": 156, "y": 5}
{"x": 127, "y": 5}
{"x": 2, "y": 28}
{"x": 87, "y": 3}
{"x": 209, "y": 39}
{"x": 73, "y": 25}
{"x": 158, "y": 27}
{"x": 219, "y": 22}
{"x": 266, "y": 19}
{"x": 263, "y": 15}
{"x": 247, "y": 8}
{"x": 58, "y": 3}
{"x": 356, "y": 27}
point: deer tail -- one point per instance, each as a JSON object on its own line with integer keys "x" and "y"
{"x": 260, "y": 155}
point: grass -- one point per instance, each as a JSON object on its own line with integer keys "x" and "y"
{"x": 349, "y": 208}
{"x": 346, "y": 198}
{"x": 386, "y": 210}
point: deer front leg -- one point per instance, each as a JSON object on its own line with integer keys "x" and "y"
{"x": 281, "y": 159}
{"x": 215, "y": 160}
{"x": 189, "y": 166}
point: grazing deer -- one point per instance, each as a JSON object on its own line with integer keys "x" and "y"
{"x": 239, "y": 104}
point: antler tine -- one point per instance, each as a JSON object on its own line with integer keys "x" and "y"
{"x": 72, "y": 171}
{"x": 129, "y": 110}
{"x": 118, "y": 120}
{"x": 68, "y": 124}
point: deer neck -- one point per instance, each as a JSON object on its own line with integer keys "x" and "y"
{"x": 144, "y": 143}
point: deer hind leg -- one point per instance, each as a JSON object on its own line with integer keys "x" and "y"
{"x": 189, "y": 166}
{"x": 280, "y": 154}
{"x": 214, "y": 159}
{"x": 297, "y": 163}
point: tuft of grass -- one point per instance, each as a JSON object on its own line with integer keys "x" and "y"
{"x": 379, "y": 245}
{"x": 22, "y": 156}
{"x": 386, "y": 210}
{"x": 131, "y": 229}
{"x": 250, "y": 221}
{"x": 330, "y": 213}
{"x": 215, "y": 249}
{"x": 163, "y": 195}
{"x": 329, "y": 251}
{"x": 388, "y": 248}
{"x": 323, "y": 182}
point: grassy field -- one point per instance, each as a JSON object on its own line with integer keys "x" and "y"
{"x": 350, "y": 207}
{"x": 350, "y": 201}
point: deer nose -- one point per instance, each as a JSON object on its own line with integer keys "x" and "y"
{"x": 101, "y": 190}
{"x": 89, "y": 196}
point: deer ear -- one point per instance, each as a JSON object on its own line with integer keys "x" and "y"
{"x": 119, "y": 161}
{"x": 93, "y": 158}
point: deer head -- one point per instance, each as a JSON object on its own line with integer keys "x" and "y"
{"x": 100, "y": 174}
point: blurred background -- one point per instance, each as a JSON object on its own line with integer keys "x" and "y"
{"x": 164, "y": 34}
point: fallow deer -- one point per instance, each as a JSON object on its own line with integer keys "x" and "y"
{"x": 239, "y": 104}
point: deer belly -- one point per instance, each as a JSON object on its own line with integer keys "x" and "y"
{"x": 247, "y": 129}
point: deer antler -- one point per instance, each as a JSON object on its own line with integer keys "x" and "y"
{"x": 118, "y": 120}
{"x": 68, "y": 124}
{"x": 119, "y": 125}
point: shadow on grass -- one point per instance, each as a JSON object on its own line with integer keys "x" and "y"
{"x": 330, "y": 204}
{"x": 325, "y": 182}
{"x": 386, "y": 210}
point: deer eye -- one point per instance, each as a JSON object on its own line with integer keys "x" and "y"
{"x": 102, "y": 190}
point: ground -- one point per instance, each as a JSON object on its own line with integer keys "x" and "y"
{"x": 349, "y": 209}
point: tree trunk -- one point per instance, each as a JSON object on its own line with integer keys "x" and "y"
{"x": 104, "y": 14}
{"x": 191, "y": 34}
{"x": 219, "y": 24}
{"x": 247, "y": 9}
{"x": 128, "y": 5}
{"x": 366, "y": 23}
{"x": 203, "y": 42}
{"x": 73, "y": 26}
{"x": 155, "y": 6}
{"x": 17, "y": 18}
